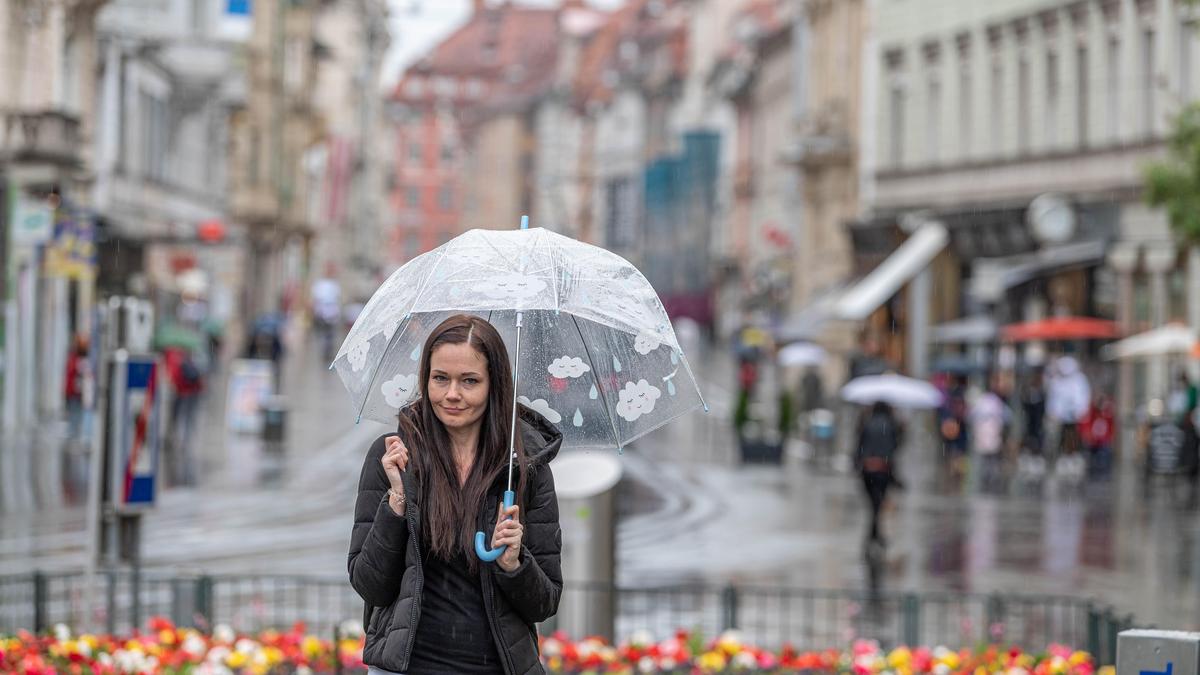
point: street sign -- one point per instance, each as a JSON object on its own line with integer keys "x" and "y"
{"x": 251, "y": 383}
{"x": 1158, "y": 652}
{"x": 134, "y": 431}
{"x": 32, "y": 223}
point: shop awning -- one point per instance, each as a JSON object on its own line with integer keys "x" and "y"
{"x": 899, "y": 268}
{"x": 992, "y": 277}
{"x": 970, "y": 330}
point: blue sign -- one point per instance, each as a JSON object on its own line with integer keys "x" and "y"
{"x": 1157, "y": 672}
{"x": 134, "y": 435}
{"x": 238, "y": 7}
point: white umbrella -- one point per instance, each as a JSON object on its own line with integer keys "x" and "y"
{"x": 895, "y": 390}
{"x": 802, "y": 354}
{"x": 1170, "y": 339}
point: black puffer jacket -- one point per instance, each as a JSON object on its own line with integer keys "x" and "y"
{"x": 385, "y": 563}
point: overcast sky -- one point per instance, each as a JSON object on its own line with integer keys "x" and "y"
{"x": 418, "y": 25}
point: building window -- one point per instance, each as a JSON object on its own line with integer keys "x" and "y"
{"x": 412, "y": 244}
{"x": 933, "y": 120}
{"x": 415, "y": 153}
{"x": 1112, "y": 97}
{"x": 1053, "y": 94}
{"x": 1081, "y": 94}
{"x": 1187, "y": 56}
{"x": 1023, "y": 102}
{"x": 253, "y": 162}
{"x": 154, "y": 139}
{"x": 897, "y": 126}
{"x": 1148, "y": 82}
{"x": 412, "y": 196}
{"x": 445, "y": 198}
{"x": 447, "y": 153}
{"x": 965, "y": 112}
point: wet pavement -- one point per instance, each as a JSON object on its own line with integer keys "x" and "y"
{"x": 692, "y": 512}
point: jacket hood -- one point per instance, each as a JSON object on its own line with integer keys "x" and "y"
{"x": 542, "y": 439}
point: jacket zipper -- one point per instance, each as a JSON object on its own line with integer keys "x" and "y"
{"x": 493, "y": 619}
{"x": 410, "y": 516}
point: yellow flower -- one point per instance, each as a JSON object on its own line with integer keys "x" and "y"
{"x": 1026, "y": 661}
{"x": 1079, "y": 658}
{"x": 555, "y": 663}
{"x": 90, "y": 641}
{"x": 134, "y": 646}
{"x": 1107, "y": 670}
{"x": 711, "y": 662}
{"x": 1058, "y": 665}
{"x": 273, "y": 655}
{"x": 166, "y": 637}
{"x": 980, "y": 670}
{"x": 236, "y": 660}
{"x": 951, "y": 660}
{"x": 900, "y": 658}
{"x": 311, "y": 647}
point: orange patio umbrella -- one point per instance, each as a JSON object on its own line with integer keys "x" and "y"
{"x": 1062, "y": 328}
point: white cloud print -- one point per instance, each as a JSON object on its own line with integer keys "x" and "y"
{"x": 357, "y": 355}
{"x": 646, "y": 343}
{"x": 542, "y": 407}
{"x": 398, "y": 390}
{"x": 568, "y": 367}
{"x": 637, "y": 400}
{"x": 511, "y": 287}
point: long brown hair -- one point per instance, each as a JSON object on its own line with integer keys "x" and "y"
{"x": 450, "y": 512}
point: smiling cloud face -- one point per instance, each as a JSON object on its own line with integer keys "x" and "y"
{"x": 568, "y": 367}
{"x": 398, "y": 390}
{"x": 637, "y": 400}
{"x": 646, "y": 343}
{"x": 357, "y": 355}
{"x": 511, "y": 287}
{"x": 542, "y": 407}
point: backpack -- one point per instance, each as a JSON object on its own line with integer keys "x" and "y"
{"x": 189, "y": 373}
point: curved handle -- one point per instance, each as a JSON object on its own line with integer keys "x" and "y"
{"x": 481, "y": 549}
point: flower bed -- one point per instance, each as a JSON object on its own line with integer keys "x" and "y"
{"x": 167, "y": 650}
{"x": 686, "y": 653}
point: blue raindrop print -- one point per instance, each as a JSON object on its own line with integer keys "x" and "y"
{"x": 593, "y": 393}
{"x": 416, "y": 353}
{"x": 616, "y": 364}
{"x": 578, "y": 419}
{"x": 674, "y": 358}
{"x": 670, "y": 387}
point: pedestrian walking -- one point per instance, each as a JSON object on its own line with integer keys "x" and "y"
{"x": 952, "y": 426}
{"x": 78, "y": 391}
{"x": 879, "y": 440}
{"x": 187, "y": 383}
{"x": 1190, "y": 455}
{"x": 432, "y": 606}
{"x": 989, "y": 418}
{"x": 1068, "y": 397}
{"x": 1097, "y": 430}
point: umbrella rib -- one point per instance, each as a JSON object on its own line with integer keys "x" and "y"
{"x": 596, "y": 380}
{"x": 379, "y": 365}
{"x": 424, "y": 283}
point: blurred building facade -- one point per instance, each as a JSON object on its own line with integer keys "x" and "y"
{"x": 979, "y": 108}
{"x": 46, "y": 164}
{"x": 164, "y": 98}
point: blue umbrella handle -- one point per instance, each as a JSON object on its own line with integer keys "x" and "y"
{"x": 481, "y": 549}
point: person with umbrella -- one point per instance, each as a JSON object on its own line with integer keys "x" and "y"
{"x": 421, "y": 495}
{"x": 879, "y": 439}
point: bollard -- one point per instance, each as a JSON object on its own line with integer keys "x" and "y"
{"x": 41, "y": 595}
{"x": 729, "y": 607}
{"x": 204, "y": 603}
{"x": 1158, "y": 652}
{"x": 912, "y": 619}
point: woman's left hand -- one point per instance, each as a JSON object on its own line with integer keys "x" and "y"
{"x": 508, "y": 534}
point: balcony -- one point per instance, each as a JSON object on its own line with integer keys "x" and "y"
{"x": 49, "y": 136}
{"x": 822, "y": 138}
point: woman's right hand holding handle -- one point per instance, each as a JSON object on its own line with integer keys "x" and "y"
{"x": 395, "y": 461}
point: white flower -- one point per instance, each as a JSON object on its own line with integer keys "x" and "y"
{"x": 744, "y": 660}
{"x": 511, "y": 287}
{"x": 84, "y": 648}
{"x": 646, "y": 343}
{"x": 568, "y": 367}
{"x": 357, "y": 355}
{"x": 351, "y": 629}
{"x": 61, "y": 632}
{"x": 246, "y": 646}
{"x": 212, "y": 669}
{"x": 194, "y": 645}
{"x": 637, "y": 400}
{"x": 218, "y": 654}
{"x": 641, "y": 638}
{"x": 941, "y": 669}
{"x": 303, "y": 670}
{"x": 399, "y": 389}
{"x": 646, "y": 665}
{"x": 542, "y": 407}
{"x": 104, "y": 659}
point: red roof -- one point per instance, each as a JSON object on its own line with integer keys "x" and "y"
{"x": 602, "y": 54}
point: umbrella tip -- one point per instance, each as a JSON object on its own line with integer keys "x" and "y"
{"x": 524, "y": 222}
{"x": 706, "y": 410}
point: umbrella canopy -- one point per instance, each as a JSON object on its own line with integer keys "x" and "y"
{"x": 1163, "y": 341}
{"x": 175, "y": 335}
{"x": 896, "y": 390}
{"x": 598, "y": 356}
{"x": 1062, "y": 328}
{"x": 802, "y": 354}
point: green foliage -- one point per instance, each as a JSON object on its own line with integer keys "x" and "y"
{"x": 1174, "y": 183}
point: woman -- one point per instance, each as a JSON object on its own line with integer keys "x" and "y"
{"x": 878, "y": 441}
{"x": 432, "y": 606}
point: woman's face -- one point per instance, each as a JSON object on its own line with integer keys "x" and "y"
{"x": 458, "y": 385}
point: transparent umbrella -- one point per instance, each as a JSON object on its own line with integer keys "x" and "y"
{"x": 593, "y": 350}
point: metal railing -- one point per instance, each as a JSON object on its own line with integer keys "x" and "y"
{"x": 766, "y": 616}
